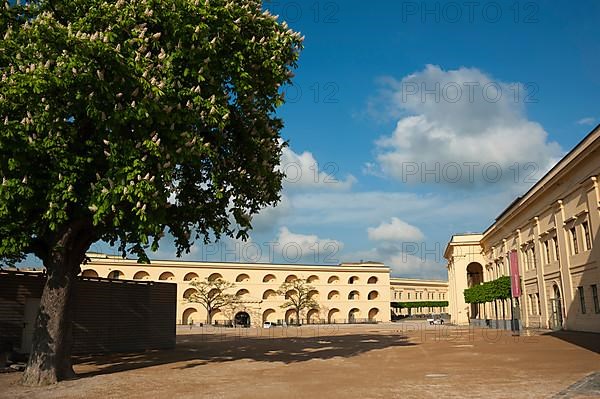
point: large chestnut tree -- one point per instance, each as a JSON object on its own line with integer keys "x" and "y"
{"x": 123, "y": 121}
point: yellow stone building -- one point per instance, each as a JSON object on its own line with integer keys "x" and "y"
{"x": 346, "y": 293}
{"x": 349, "y": 292}
{"x": 418, "y": 290}
{"x": 553, "y": 228}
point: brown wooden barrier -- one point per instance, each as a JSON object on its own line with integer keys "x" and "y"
{"x": 109, "y": 315}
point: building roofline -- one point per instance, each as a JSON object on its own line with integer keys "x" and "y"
{"x": 562, "y": 163}
{"x": 117, "y": 260}
{"x": 452, "y": 242}
{"x": 417, "y": 280}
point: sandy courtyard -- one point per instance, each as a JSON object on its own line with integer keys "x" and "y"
{"x": 396, "y": 360}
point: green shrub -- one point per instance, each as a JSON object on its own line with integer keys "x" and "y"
{"x": 421, "y": 304}
{"x": 489, "y": 291}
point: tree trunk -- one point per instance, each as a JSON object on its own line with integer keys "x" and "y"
{"x": 50, "y": 355}
{"x": 297, "y": 317}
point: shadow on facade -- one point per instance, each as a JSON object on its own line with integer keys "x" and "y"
{"x": 202, "y": 349}
{"x": 582, "y": 313}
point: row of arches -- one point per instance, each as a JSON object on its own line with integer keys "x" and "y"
{"x": 241, "y": 278}
{"x": 270, "y": 294}
{"x": 313, "y": 316}
{"x": 270, "y": 278}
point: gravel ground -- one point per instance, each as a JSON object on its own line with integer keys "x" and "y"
{"x": 395, "y": 360}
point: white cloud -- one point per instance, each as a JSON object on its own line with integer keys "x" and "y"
{"x": 588, "y": 121}
{"x": 367, "y": 207}
{"x": 408, "y": 262}
{"x": 411, "y": 266}
{"x": 270, "y": 217}
{"x": 395, "y": 230}
{"x": 308, "y": 247}
{"x": 463, "y": 116}
{"x": 303, "y": 175}
{"x": 303, "y": 172}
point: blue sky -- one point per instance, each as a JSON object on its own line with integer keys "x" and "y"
{"x": 359, "y": 109}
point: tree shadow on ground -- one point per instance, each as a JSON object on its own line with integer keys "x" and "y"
{"x": 202, "y": 349}
{"x": 586, "y": 340}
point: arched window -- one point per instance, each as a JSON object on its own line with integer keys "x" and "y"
{"x": 333, "y": 295}
{"x": 333, "y": 315}
{"x": 313, "y": 316}
{"x": 242, "y": 278}
{"x": 333, "y": 280}
{"x": 373, "y": 314}
{"x": 190, "y": 277}
{"x": 269, "y": 315}
{"x": 190, "y": 315}
{"x": 353, "y": 280}
{"x": 353, "y": 296}
{"x": 372, "y": 280}
{"x": 269, "y": 278}
{"x": 373, "y": 295}
{"x": 188, "y": 293}
{"x": 291, "y": 278}
{"x": 141, "y": 275}
{"x": 353, "y": 315}
{"x": 166, "y": 276}
{"x": 269, "y": 295}
{"x": 312, "y": 279}
{"x": 89, "y": 273}
{"x": 116, "y": 274}
{"x": 214, "y": 277}
{"x": 290, "y": 294}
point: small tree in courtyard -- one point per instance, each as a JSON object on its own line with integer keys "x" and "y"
{"x": 297, "y": 296}
{"x": 212, "y": 295}
{"x": 125, "y": 120}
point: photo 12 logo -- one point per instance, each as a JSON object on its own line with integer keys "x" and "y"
{"x": 468, "y": 172}
{"x": 454, "y": 92}
{"x": 321, "y": 252}
{"x": 316, "y": 92}
{"x": 470, "y": 12}
{"x": 325, "y": 12}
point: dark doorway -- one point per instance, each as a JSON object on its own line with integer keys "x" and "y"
{"x": 556, "y": 318}
{"x": 242, "y": 319}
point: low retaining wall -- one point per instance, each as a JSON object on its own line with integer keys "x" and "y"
{"x": 499, "y": 324}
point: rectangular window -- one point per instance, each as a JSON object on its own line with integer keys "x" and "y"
{"x": 556, "y": 253}
{"x": 547, "y": 248}
{"x": 595, "y": 296}
{"x": 409, "y": 295}
{"x": 530, "y": 257}
{"x": 581, "y": 299}
{"x": 400, "y": 295}
{"x": 539, "y": 307}
{"x": 586, "y": 235}
{"x": 574, "y": 246}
